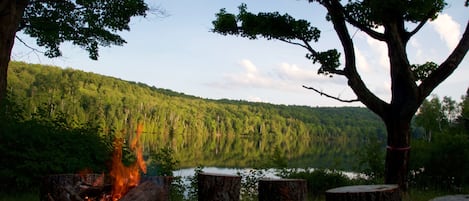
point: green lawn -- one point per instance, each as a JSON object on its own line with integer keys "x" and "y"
{"x": 19, "y": 197}
{"x": 413, "y": 195}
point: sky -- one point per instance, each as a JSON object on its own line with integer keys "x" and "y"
{"x": 178, "y": 51}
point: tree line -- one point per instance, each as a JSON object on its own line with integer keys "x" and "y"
{"x": 114, "y": 104}
{"x": 441, "y": 143}
{"x": 63, "y": 120}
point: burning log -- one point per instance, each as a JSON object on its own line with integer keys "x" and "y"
{"x": 218, "y": 187}
{"x": 282, "y": 189}
{"x": 74, "y": 187}
{"x": 364, "y": 193}
{"x": 95, "y": 187}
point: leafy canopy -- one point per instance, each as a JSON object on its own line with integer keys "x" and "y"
{"x": 374, "y": 13}
{"x": 86, "y": 23}
{"x": 275, "y": 26}
{"x": 365, "y": 14}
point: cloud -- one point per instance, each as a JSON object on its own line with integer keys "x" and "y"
{"x": 362, "y": 63}
{"x": 249, "y": 66}
{"x": 448, "y": 29}
{"x": 284, "y": 77}
{"x": 381, "y": 50}
{"x": 255, "y": 99}
{"x": 251, "y": 77}
{"x": 288, "y": 71}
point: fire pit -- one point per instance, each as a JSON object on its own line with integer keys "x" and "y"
{"x": 75, "y": 187}
{"x": 123, "y": 183}
{"x": 98, "y": 187}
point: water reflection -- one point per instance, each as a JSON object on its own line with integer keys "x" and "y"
{"x": 268, "y": 173}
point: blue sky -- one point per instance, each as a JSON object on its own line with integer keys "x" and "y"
{"x": 179, "y": 52}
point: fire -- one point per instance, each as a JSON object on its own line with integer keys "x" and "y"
{"x": 126, "y": 177}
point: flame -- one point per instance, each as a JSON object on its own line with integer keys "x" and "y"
{"x": 126, "y": 177}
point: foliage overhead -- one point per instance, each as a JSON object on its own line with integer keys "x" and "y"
{"x": 86, "y": 23}
{"x": 275, "y": 26}
{"x": 374, "y": 13}
{"x": 366, "y": 14}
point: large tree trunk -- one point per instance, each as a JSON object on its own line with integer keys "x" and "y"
{"x": 10, "y": 16}
{"x": 397, "y": 152}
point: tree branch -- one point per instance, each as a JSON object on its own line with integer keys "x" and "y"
{"x": 413, "y": 32}
{"x": 295, "y": 43}
{"x": 25, "y": 44}
{"x": 374, "y": 34}
{"x": 355, "y": 82}
{"x": 332, "y": 97}
{"x": 307, "y": 46}
{"x": 447, "y": 67}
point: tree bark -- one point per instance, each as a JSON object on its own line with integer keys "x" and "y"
{"x": 397, "y": 150}
{"x": 282, "y": 190}
{"x": 10, "y": 17}
{"x": 364, "y": 193}
{"x": 218, "y": 187}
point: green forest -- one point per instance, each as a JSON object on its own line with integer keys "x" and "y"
{"x": 205, "y": 132}
{"x": 58, "y": 120}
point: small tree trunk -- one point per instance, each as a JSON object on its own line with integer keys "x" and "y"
{"x": 10, "y": 16}
{"x": 364, "y": 193}
{"x": 218, "y": 187}
{"x": 282, "y": 190}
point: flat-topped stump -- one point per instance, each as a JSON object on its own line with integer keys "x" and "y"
{"x": 282, "y": 189}
{"x": 383, "y": 192}
{"x": 452, "y": 198}
{"x": 218, "y": 187}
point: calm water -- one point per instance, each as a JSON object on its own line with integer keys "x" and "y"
{"x": 269, "y": 173}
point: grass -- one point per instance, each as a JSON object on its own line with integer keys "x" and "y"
{"x": 19, "y": 197}
{"x": 413, "y": 195}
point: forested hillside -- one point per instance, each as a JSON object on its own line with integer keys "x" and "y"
{"x": 181, "y": 121}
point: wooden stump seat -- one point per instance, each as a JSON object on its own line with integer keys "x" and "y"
{"x": 218, "y": 187}
{"x": 452, "y": 198}
{"x": 364, "y": 193}
{"x": 282, "y": 189}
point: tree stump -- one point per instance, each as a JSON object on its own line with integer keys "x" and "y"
{"x": 150, "y": 189}
{"x": 364, "y": 193}
{"x": 282, "y": 189}
{"x": 452, "y": 198}
{"x": 218, "y": 187}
